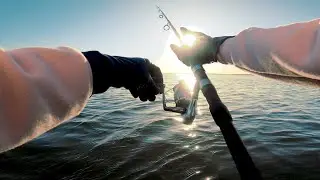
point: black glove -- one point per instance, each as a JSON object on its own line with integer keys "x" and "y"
{"x": 139, "y": 75}
{"x": 203, "y": 51}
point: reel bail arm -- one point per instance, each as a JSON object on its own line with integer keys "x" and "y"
{"x": 171, "y": 109}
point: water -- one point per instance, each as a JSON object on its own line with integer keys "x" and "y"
{"x": 119, "y": 137}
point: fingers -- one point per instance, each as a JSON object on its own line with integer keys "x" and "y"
{"x": 145, "y": 92}
{"x": 134, "y": 92}
{"x": 148, "y": 93}
{"x": 150, "y": 85}
{"x": 156, "y": 78}
{"x": 147, "y": 98}
{"x": 152, "y": 98}
{"x": 155, "y": 73}
{"x": 143, "y": 98}
{"x": 185, "y": 31}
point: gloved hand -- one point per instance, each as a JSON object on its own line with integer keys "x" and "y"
{"x": 139, "y": 75}
{"x": 203, "y": 51}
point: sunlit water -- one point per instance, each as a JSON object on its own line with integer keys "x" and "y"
{"x": 119, "y": 137}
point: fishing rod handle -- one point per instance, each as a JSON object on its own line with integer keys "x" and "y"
{"x": 219, "y": 111}
{"x": 223, "y": 119}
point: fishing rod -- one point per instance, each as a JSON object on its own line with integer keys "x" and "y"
{"x": 221, "y": 116}
{"x": 190, "y": 112}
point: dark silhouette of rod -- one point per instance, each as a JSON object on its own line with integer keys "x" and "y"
{"x": 223, "y": 119}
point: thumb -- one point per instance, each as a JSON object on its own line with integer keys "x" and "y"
{"x": 176, "y": 49}
{"x": 181, "y": 52}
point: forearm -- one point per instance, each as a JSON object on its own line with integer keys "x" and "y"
{"x": 40, "y": 88}
{"x": 288, "y": 52}
{"x": 117, "y": 68}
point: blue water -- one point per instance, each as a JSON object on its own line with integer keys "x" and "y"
{"x": 118, "y": 137}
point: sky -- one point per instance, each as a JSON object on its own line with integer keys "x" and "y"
{"x": 133, "y": 27}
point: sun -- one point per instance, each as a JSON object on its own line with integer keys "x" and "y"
{"x": 188, "y": 39}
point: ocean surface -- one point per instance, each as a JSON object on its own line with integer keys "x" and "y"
{"x": 119, "y": 137}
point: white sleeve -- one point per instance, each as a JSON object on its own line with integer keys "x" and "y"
{"x": 39, "y": 89}
{"x": 290, "y": 52}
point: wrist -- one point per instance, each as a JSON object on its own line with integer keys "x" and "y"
{"x": 101, "y": 68}
{"x": 218, "y": 43}
{"x": 223, "y": 55}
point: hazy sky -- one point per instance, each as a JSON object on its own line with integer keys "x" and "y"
{"x": 132, "y": 27}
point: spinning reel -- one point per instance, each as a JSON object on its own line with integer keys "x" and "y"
{"x": 188, "y": 111}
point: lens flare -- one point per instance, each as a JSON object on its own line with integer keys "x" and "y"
{"x": 189, "y": 79}
{"x": 188, "y": 39}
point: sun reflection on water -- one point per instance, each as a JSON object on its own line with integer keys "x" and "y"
{"x": 190, "y": 127}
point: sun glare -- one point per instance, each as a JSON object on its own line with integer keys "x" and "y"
{"x": 188, "y": 39}
{"x": 189, "y": 79}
